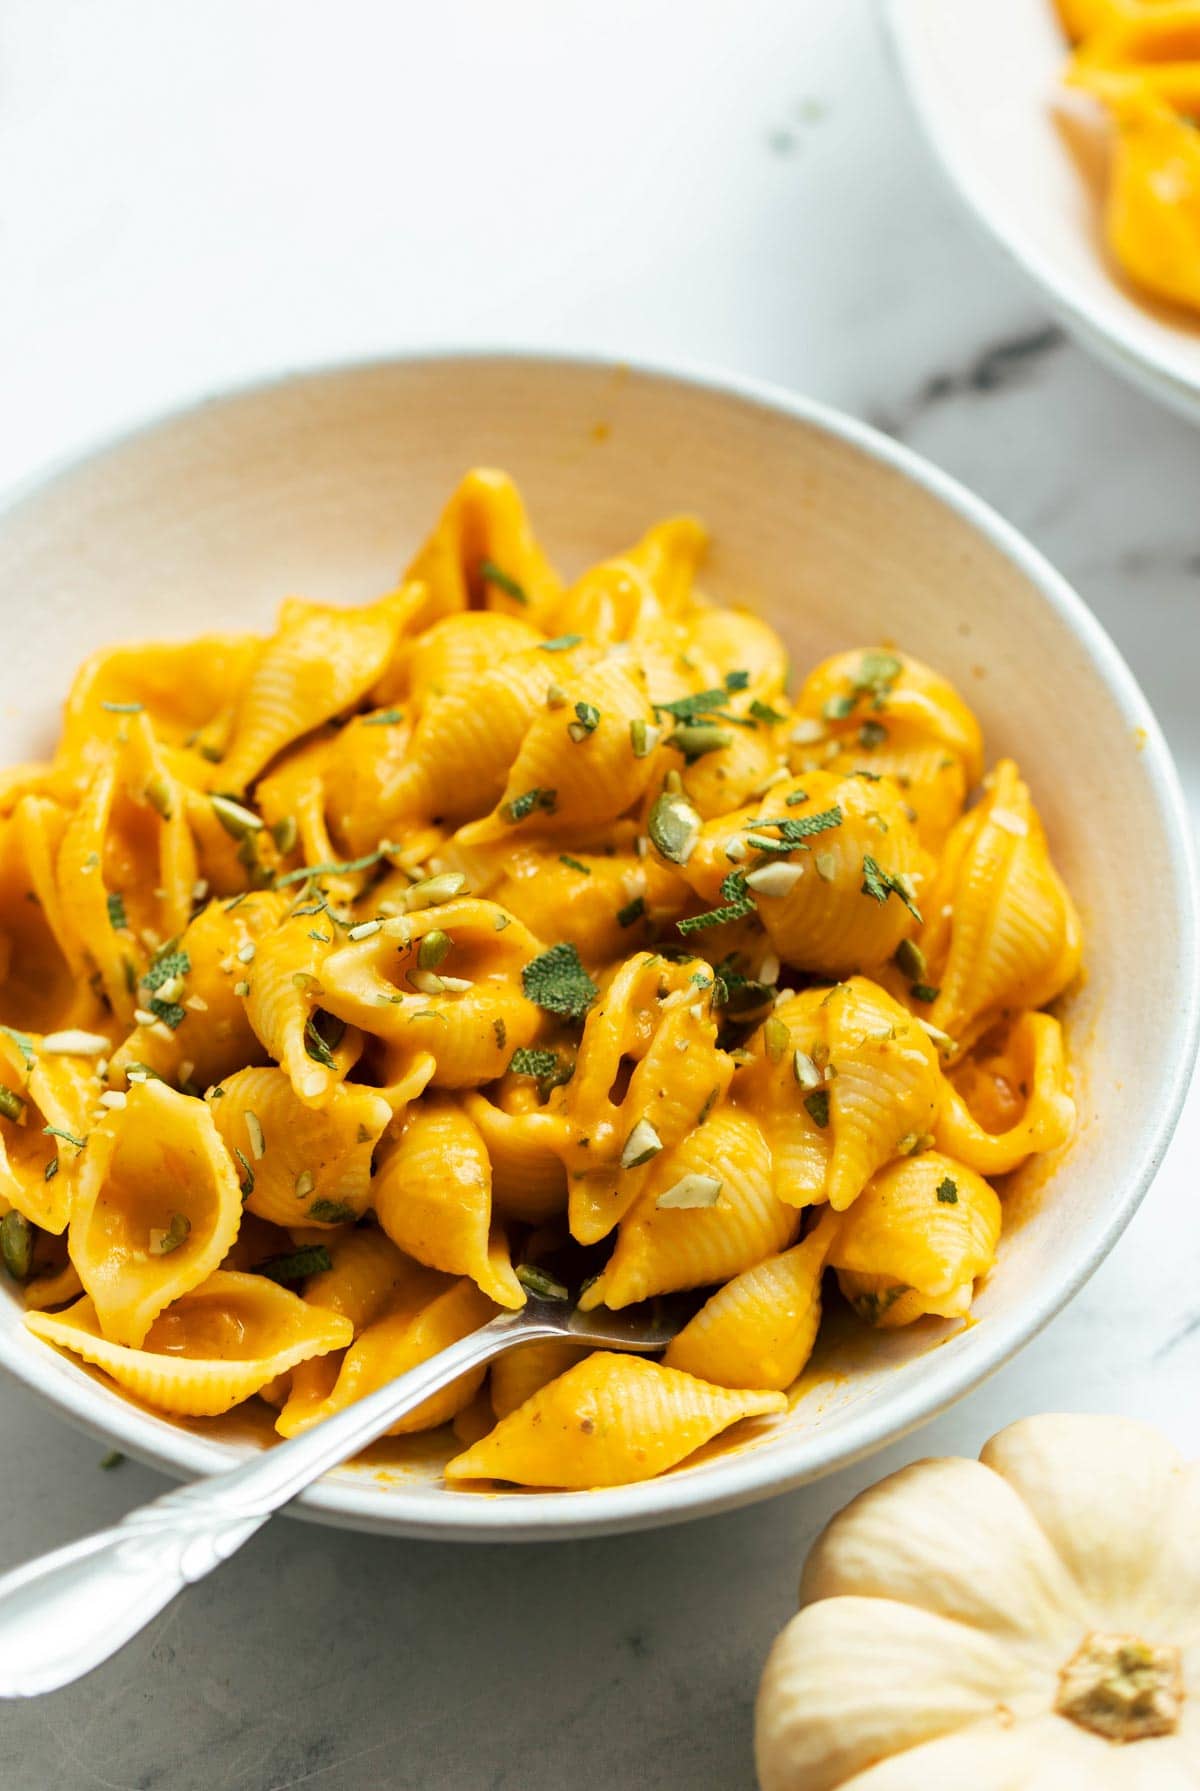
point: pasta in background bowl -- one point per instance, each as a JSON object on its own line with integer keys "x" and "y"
{"x": 526, "y": 893}
{"x": 1062, "y": 187}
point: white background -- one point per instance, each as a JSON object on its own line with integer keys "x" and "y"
{"x": 191, "y": 193}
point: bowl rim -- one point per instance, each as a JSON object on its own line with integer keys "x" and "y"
{"x": 1113, "y": 340}
{"x": 351, "y": 1501}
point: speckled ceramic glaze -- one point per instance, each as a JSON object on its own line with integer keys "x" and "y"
{"x": 1029, "y": 157}
{"x": 324, "y": 483}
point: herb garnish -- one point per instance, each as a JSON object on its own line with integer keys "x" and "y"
{"x": 546, "y": 1067}
{"x": 24, "y": 1044}
{"x": 117, "y": 917}
{"x": 876, "y": 674}
{"x": 632, "y": 911}
{"x": 881, "y": 884}
{"x": 557, "y": 981}
{"x": 323, "y": 1033}
{"x": 817, "y": 1104}
{"x": 246, "y": 1184}
{"x": 331, "y": 1212}
{"x": 524, "y": 805}
{"x": 165, "y": 968}
{"x": 161, "y": 1243}
{"x": 295, "y": 1265}
{"x": 737, "y": 902}
{"x": 336, "y": 867}
{"x": 491, "y": 574}
{"x": 562, "y": 643}
{"x": 948, "y": 1191}
{"x": 794, "y": 829}
{"x": 169, "y": 1012}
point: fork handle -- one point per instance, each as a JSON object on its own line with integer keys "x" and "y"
{"x": 64, "y": 1613}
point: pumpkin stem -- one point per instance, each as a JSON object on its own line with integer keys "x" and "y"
{"x": 1122, "y": 1688}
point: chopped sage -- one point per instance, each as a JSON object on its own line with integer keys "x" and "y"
{"x": 491, "y": 574}
{"x": 162, "y": 1242}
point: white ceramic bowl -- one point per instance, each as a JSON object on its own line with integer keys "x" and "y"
{"x": 323, "y": 483}
{"x": 1028, "y": 158}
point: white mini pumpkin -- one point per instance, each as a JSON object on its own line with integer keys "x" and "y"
{"x": 1026, "y": 1622}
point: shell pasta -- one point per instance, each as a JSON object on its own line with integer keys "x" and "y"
{"x": 509, "y": 935}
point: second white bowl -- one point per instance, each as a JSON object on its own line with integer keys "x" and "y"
{"x": 1028, "y": 159}
{"x": 323, "y": 483}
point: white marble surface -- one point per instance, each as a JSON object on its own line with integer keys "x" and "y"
{"x": 193, "y": 192}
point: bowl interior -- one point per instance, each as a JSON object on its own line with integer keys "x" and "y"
{"x": 1030, "y": 158}
{"x": 323, "y": 485}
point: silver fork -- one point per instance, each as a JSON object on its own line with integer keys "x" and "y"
{"x": 64, "y": 1613}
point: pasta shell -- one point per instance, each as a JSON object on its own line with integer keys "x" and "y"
{"x": 37, "y": 1166}
{"x": 433, "y": 1198}
{"x": 663, "y": 1248}
{"x": 214, "y": 1038}
{"x": 520, "y": 1373}
{"x": 303, "y": 1165}
{"x": 580, "y": 756}
{"x": 351, "y": 807}
{"x": 884, "y": 713}
{"x": 126, "y": 855}
{"x": 55, "y": 1289}
{"x": 1002, "y": 931}
{"x": 1154, "y": 183}
{"x": 622, "y": 597}
{"x": 524, "y": 1144}
{"x": 212, "y": 1348}
{"x": 294, "y": 795}
{"x": 721, "y": 780}
{"x": 185, "y": 688}
{"x": 465, "y": 743}
{"x": 608, "y": 1421}
{"x": 286, "y": 995}
{"x": 651, "y": 1040}
{"x": 365, "y": 1277}
{"x": 768, "y": 1087}
{"x": 366, "y": 1273}
{"x": 759, "y": 1329}
{"x": 736, "y": 640}
{"x": 600, "y": 901}
{"x": 887, "y": 1087}
{"x": 427, "y": 1316}
{"x": 321, "y": 661}
{"x": 39, "y": 988}
{"x": 855, "y": 884}
{"x": 916, "y": 1240}
{"x": 155, "y": 1208}
{"x": 485, "y": 524}
{"x": 1000, "y": 1107}
{"x": 470, "y": 1032}
{"x": 459, "y": 648}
